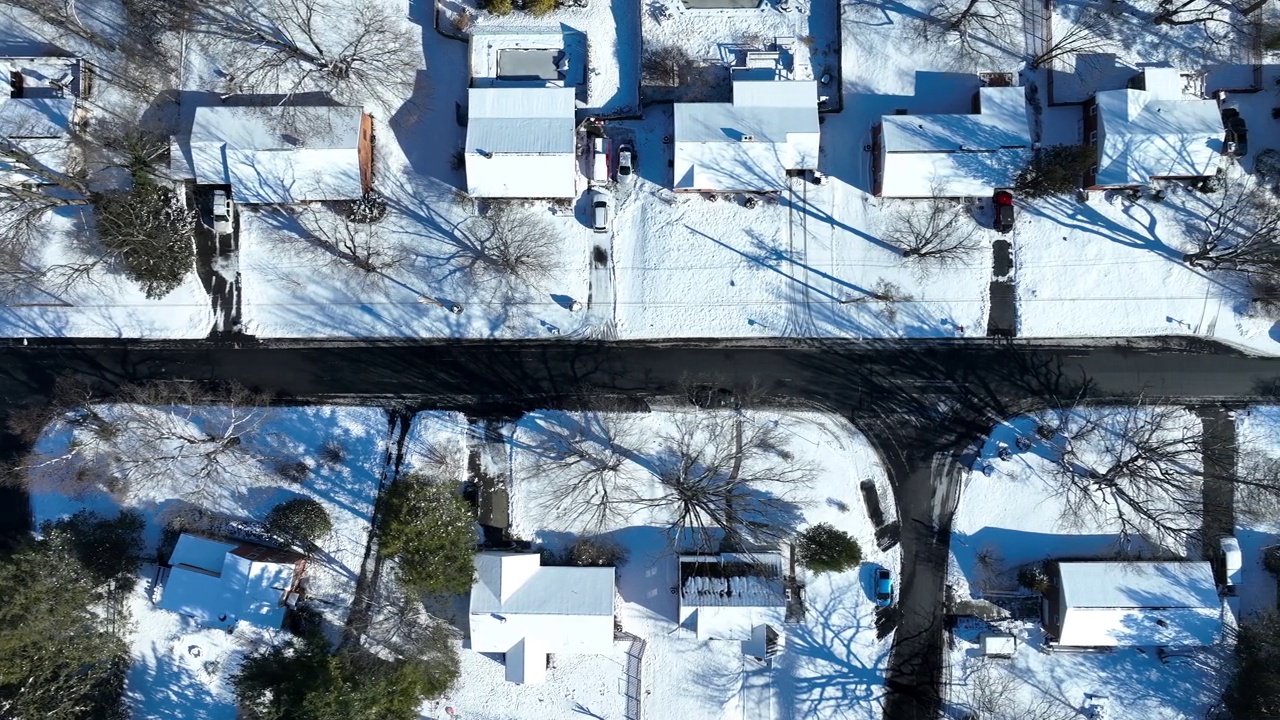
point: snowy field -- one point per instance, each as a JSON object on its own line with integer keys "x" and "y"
{"x": 179, "y": 670}
{"x": 833, "y": 663}
{"x": 1013, "y": 512}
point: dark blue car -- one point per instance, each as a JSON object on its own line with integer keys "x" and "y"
{"x": 884, "y": 588}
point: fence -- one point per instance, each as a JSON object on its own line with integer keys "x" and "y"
{"x": 635, "y": 669}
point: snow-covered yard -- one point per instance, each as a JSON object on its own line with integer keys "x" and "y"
{"x": 1258, "y": 441}
{"x": 1014, "y": 511}
{"x": 333, "y": 455}
{"x": 833, "y": 662}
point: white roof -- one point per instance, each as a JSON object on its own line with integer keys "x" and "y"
{"x": 747, "y": 145}
{"x": 521, "y": 142}
{"x": 526, "y": 610}
{"x": 1107, "y": 604}
{"x": 998, "y": 644}
{"x": 1154, "y": 133}
{"x": 957, "y": 155}
{"x": 275, "y": 154}
{"x": 217, "y": 588}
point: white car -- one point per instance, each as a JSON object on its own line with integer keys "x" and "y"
{"x": 626, "y": 164}
{"x": 223, "y": 213}
{"x": 600, "y": 210}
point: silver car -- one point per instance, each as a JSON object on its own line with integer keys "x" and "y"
{"x": 600, "y": 211}
{"x": 223, "y": 213}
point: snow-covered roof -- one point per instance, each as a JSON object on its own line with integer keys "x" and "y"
{"x": 732, "y": 580}
{"x": 957, "y": 155}
{"x": 747, "y": 145}
{"x": 275, "y": 154}
{"x": 525, "y": 610}
{"x": 1109, "y": 604}
{"x": 220, "y": 583}
{"x": 1156, "y": 132}
{"x": 521, "y": 142}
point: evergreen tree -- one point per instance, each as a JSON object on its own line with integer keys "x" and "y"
{"x": 430, "y": 530}
{"x": 58, "y": 660}
{"x": 826, "y": 548}
{"x": 150, "y": 230}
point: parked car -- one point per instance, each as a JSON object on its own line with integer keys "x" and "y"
{"x": 1003, "y": 201}
{"x": 223, "y": 212}
{"x": 1237, "y": 132}
{"x": 1232, "y": 560}
{"x": 625, "y": 163}
{"x": 600, "y": 202}
{"x": 884, "y": 587}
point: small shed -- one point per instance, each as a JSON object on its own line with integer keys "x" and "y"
{"x": 997, "y": 645}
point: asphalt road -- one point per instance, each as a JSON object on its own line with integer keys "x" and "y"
{"x": 922, "y": 405}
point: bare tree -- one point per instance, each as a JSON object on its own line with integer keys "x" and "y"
{"x": 938, "y": 228}
{"x": 720, "y": 475}
{"x": 1240, "y": 232}
{"x": 172, "y": 432}
{"x": 583, "y": 458}
{"x": 1084, "y": 36}
{"x": 63, "y": 14}
{"x": 347, "y": 50}
{"x": 985, "y": 28}
{"x": 509, "y": 242}
{"x": 359, "y": 245}
{"x": 665, "y": 65}
{"x": 1202, "y": 12}
{"x": 993, "y": 693}
{"x": 1137, "y": 468}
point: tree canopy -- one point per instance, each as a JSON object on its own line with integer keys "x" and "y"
{"x": 429, "y": 529}
{"x": 59, "y": 658}
{"x": 306, "y": 681}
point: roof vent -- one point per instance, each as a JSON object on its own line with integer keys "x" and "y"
{"x": 748, "y": 138}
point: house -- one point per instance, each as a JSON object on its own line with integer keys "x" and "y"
{"x": 770, "y": 130}
{"x": 221, "y": 583}
{"x": 528, "y": 612}
{"x": 953, "y": 155}
{"x": 1157, "y": 128}
{"x": 733, "y": 596}
{"x": 279, "y": 154}
{"x": 39, "y": 108}
{"x": 521, "y": 142}
{"x": 1121, "y": 604}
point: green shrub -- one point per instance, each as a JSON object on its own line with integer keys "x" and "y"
{"x": 1055, "y": 170}
{"x": 1034, "y": 577}
{"x": 300, "y": 521}
{"x": 825, "y": 548}
{"x": 540, "y": 7}
{"x": 596, "y": 551}
{"x": 500, "y": 7}
{"x": 1271, "y": 559}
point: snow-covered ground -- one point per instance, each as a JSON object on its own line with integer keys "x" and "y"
{"x": 813, "y": 265}
{"x": 1116, "y": 36}
{"x": 1258, "y": 441}
{"x": 833, "y": 663}
{"x": 180, "y": 670}
{"x": 1011, "y": 514}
